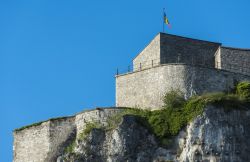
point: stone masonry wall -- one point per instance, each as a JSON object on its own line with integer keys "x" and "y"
{"x": 176, "y": 49}
{"x": 146, "y": 88}
{"x": 45, "y": 142}
{"x": 31, "y": 144}
{"x": 235, "y": 60}
{"x": 99, "y": 116}
{"x": 167, "y": 48}
{"x": 151, "y": 52}
{"x": 60, "y": 131}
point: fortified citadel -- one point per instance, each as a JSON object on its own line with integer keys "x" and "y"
{"x": 167, "y": 63}
{"x": 179, "y": 63}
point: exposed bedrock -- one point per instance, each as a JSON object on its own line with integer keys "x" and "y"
{"x": 214, "y": 136}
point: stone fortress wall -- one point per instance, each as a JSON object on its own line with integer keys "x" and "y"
{"x": 31, "y": 144}
{"x": 146, "y": 88}
{"x": 173, "y": 62}
{"x": 151, "y": 54}
{"x": 233, "y": 59}
{"x": 42, "y": 142}
{"x": 176, "y": 49}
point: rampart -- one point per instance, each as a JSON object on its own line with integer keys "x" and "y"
{"x": 145, "y": 88}
{"x": 43, "y": 142}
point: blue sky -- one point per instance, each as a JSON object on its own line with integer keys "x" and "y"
{"x": 59, "y": 57}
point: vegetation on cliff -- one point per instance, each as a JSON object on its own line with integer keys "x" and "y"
{"x": 178, "y": 112}
{"x": 88, "y": 129}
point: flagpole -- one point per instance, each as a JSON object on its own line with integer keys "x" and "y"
{"x": 163, "y": 20}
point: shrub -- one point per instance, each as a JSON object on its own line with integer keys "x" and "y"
{"x": 177, "y": 113}
{"x": 243, "y": 89}
{"x": 173, "y": 99}
{"x": 193, "y": 108}
{"x": 114, "y": 120}
{"x": 89, "y": 127}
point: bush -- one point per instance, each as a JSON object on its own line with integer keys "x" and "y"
{"x": 116, "y": 119}
{"x": 243, "y": 90}
{"x": 173, "y": 99}
{"x": 177, "y": 113}
{"x": 89, "y": 127}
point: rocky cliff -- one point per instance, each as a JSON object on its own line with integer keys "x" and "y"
{"x": 216, "y": 135}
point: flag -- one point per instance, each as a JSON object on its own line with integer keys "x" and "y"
{"x": 165, "y": 19}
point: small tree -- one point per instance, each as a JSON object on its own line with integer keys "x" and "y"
{"x": 173, "y": 99}
{"x": 243, "y": 90}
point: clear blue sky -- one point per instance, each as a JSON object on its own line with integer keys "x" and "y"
{"x": 59, "y": 57}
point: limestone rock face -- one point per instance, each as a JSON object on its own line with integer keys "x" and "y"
{"x": 217, "y": 136}
{"x": 128, "y": 142}
{"x": 214, "y": 136}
